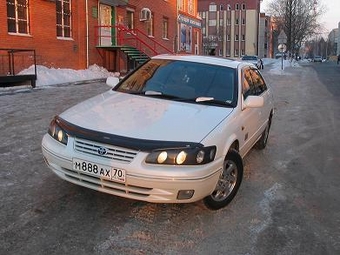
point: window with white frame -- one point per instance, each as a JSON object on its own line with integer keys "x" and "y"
{"x": 130, "y": 14}
{"x": 165, "y": 29}
{"x": 18, "y": 16}
{"x": 212, "y": 22}
{"x": 63, "y": 9}
{"x": 212, "y": 7}
{"x": 180, "y": 5}
{"x": 150, "y": 27}
{"x": 191, "y": 7}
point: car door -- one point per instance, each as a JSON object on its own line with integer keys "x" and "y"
{"x": 250, "y": 117}
{"x": 261, "y": 89}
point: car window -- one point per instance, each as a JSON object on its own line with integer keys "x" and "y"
{"x": 259, "y": 84}
{"x": 249, "y": 58}
{"x": 247, "y": 83}
{"x": 182, "y": 79}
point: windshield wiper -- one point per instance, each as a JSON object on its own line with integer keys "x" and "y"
{"x": 158, "y": 94}
{"x": 211, "y": 100}
{"x": 202, "y": 100}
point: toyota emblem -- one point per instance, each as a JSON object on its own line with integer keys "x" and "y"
{"x": 102, "y": 151}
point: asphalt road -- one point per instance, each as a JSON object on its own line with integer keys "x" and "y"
{"x": 288, "y": 202}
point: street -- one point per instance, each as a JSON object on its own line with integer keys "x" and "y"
{"x": 288, "y": 202}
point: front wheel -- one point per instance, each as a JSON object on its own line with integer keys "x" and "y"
{"x": 228, "y": 183}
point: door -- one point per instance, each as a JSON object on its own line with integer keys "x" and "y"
{"x": 251, "y": 117}
{"x": 106, "y": 20}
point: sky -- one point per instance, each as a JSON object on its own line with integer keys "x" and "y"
{"x": 329, "y": 19}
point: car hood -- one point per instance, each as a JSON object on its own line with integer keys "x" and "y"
{"x": 146, "y": 117}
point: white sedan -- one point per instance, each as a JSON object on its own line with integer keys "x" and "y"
{"x": 173, "y": 131}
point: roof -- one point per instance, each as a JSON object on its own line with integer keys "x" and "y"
{"x": 201, "y": 59}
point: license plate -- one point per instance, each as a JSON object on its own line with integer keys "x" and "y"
{"x": 102, "y": 171}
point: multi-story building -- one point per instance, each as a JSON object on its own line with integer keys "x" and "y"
{"x": 230, "y": 27}
{"x": 116, "y": 34}
{"x": 333, "y": 40}
{"x": 265, "y": 47}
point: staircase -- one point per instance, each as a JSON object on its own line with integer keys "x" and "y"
{"x": 134, "y": 43}
{"x": 134, "y": 55}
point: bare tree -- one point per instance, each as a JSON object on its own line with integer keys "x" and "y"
{"x": 298, "y": 18}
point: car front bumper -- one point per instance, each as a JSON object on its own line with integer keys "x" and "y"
{"x": 146, "y": 182}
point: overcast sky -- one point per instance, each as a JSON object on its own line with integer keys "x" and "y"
{"x": 329, "y": 19}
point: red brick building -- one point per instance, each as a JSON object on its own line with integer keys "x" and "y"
{"x": 116, "y": 34}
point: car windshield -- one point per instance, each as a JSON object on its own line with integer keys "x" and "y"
{"x": 183, "y": 81}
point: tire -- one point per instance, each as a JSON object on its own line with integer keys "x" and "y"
{"x": 262, "y": 143}
{"x": 228, "y": 183}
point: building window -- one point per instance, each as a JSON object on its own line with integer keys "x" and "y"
{"x": 63, "y": 8}
{"x": 228, "y": 22}
{"x": 237, "y": 7}
{"x": 212, "y": 7}
{"x": 243, "y": 6}
{"x": 165, "y": 28}
{"x": 150, "y": 27}
{"x": 236, "y": 37}
{"x": 243, "y": 21}
{"x": 18, "y": 16}
{"x": 243, "y": 37}
{"x": 236, "y": 21}
{"x": 212, "y": 22}
{"x": 191, "y": 7}
{"x": 228, "y": 7}
{"x": 236, "y": 52}
{"x": 221, "y": 7}
{"x": 130, "y": 19}
{"x": 228, "y": 37}
{"x": 242, "y": 52}
{"x": 180, "y": 4}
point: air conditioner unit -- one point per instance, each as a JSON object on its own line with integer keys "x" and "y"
{"x": 145, "y": 14}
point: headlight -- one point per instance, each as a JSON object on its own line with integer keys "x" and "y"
{"x": 57, "y": 132}
{"x": 182, "y": 156}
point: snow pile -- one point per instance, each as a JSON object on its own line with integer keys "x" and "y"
{"x": 52, "y": 76}
{"x": 278, "y": 67}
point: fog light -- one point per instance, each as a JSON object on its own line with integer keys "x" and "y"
{"x": 185, "y": 194}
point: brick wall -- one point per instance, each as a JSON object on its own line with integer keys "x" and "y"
{"x": 51, "y": 51}
{"x": 72, "y": 52}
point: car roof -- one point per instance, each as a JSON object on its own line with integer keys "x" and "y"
{"x": 202, "y": 59}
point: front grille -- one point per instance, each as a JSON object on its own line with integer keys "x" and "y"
{"x": 107, "y": 186}
{"x": 108, "y": 151}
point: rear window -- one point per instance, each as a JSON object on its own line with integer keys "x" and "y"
{"x": 249, "y": 58}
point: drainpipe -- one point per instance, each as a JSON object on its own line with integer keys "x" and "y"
{"x": 87, "y": 32}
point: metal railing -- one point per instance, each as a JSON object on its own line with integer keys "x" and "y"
{"x": 120, "y": 35}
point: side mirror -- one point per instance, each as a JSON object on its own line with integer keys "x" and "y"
{"x": 112, "y": 81}
{"x": 253, "y": 102}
